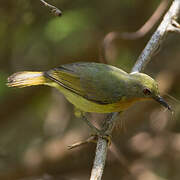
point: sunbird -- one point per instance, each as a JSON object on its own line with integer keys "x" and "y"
{"x": 94, "y": 87}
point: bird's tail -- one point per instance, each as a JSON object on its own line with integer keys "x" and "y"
{"x": 26, "y": 78}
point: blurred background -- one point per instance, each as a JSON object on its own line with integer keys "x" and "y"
{"x": 37, "y": 123}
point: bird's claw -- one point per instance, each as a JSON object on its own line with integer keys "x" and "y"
{"x": 102, "y": 135}
{"x": 92, "y": 139}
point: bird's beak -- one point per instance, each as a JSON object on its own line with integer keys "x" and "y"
{"x": 163, "y": 102}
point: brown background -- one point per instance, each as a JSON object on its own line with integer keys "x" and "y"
{"x": 37, "y": 123}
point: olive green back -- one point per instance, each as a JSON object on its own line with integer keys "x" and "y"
{"x": 96, "y": 82}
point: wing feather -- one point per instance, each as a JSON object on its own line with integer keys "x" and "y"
{"x": 93, "y": 81}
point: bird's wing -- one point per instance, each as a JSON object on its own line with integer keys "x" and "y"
{"x": 92, "y": 81}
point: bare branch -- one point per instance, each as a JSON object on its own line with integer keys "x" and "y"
{"x": 144, "y": 58}
{"x": 108, "y": 39}
{"x": 149, "y": 23}
{"x": 100, "y": 158}
{"x": 101, "y": 148}
{"x": 105, "y": 44}
{"x": 174, "y": 27}
{"x": 54, "y": 9}
{"x": 157, "y": 37}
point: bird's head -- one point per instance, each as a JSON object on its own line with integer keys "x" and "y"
{"x": 147, "y": 88}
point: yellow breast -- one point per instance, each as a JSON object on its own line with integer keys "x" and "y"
{"x": 90, "y": 106}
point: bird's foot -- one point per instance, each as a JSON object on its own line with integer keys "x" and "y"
{"x": 103, "y": 135}
{"x": 92, "y": 139}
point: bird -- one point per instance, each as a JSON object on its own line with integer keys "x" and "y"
{"x": 94, "y": 87}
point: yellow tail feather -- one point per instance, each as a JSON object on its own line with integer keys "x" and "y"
{"x": 26, "y": 78}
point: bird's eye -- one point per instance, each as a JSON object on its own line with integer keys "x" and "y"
{"x": 146, "y": 91}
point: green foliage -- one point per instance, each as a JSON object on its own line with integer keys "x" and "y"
{"x": 71, "y": 23}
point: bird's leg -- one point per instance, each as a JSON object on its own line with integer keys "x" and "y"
{"x": 94, "y": 128}
{"x": 78, "y": 113}
{"x": 108, "y": 126}
{"x": 98, "y": 133}
{"x": 94, "y": 137}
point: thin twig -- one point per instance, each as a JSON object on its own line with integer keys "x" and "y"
{"x": 149, "y": 23}
{"x": 144, "y": 58}
{"x": 175, "y": 23}
{"x": 54, "y": 9}
{"x": 91, "y": 139}
{"x": 157, "y": 37}
{"x": 108, "y": 39}
{"x": 174, "y": 27}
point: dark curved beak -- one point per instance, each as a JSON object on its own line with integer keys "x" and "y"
{"x": 160, "y": 100}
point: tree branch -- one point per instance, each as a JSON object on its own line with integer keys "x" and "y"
{"x": 55, "y": 10}
{"x": 157, "y": 37}
{"x": 144, "y": 58}
{"x": 108, "y": 39}
{"x": 148, "y": 24}
{"x": 101, "y": 148}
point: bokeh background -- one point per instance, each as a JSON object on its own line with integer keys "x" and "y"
{"x": 37, "y": 123}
